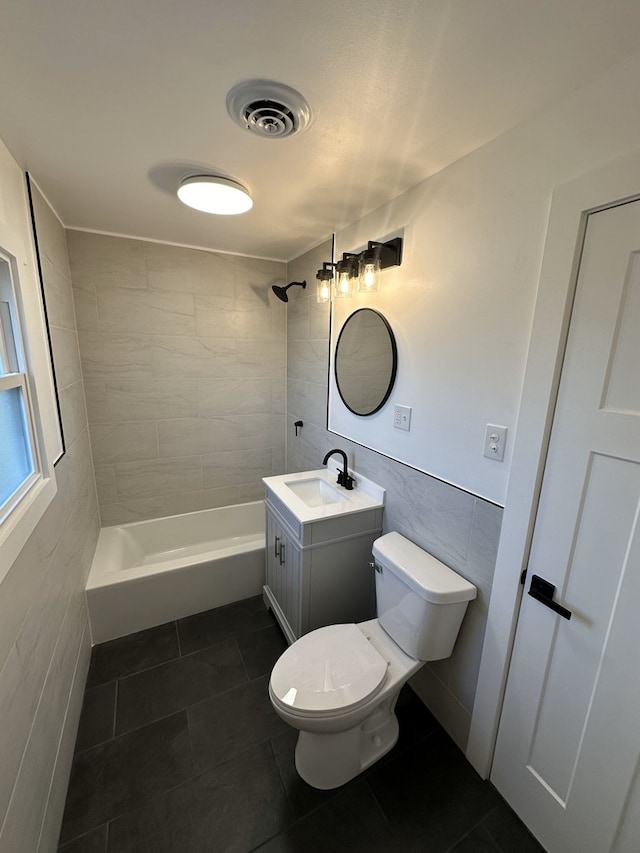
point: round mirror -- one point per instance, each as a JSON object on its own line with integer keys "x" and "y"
{"x": 365, "y": 361}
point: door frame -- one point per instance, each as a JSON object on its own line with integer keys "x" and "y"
{"x": 612, "y": 184}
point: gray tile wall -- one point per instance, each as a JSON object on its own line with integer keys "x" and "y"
{"x": 183, "y": 357}
{"x": 44, "y": 634}
{"x": 455, "y": 526}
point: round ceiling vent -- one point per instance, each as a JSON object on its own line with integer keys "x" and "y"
{"x": 268, "y": 109}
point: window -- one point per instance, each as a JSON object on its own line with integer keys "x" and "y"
{"x": 30, "y": 439}
{"x": 19, "y": 460}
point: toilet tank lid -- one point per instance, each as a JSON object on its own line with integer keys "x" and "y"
{"x": 421, "y": 571}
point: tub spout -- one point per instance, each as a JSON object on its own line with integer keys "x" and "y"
{"x": 343, "y": 476}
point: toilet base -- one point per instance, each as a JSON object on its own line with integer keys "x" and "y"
{"x": 327, "y": 761}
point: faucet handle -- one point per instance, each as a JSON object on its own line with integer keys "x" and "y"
{"x": 339, "y": 480}
{"x": 347, "y": 482}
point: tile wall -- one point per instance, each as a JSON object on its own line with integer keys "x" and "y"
{"x": 457, "y": 527}
{"x": 183, "y": 358}
{"x": 44, "y": 634}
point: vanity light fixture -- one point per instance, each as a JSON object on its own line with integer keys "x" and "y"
{"x": 364, "y": 266}
{"x": 214, "y": 194}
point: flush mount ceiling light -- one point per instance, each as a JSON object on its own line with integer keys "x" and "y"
{"x": 213, "y": 194}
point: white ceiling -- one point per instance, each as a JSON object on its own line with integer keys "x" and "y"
{"x": 108, "y": 103}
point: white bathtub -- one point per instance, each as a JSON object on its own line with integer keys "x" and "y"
{"x": 150, "y": 572}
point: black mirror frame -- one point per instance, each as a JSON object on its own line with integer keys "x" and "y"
{"x": 394, "y": 365}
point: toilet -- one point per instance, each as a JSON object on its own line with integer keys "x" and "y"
{"x": 338, "y": 685}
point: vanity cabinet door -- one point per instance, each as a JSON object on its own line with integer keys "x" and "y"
{"x": 283, "y": 563}
{"x": 271, "y": 546}
{"x": 290, "y": 566}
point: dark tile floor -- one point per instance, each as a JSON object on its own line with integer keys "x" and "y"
{"x": 179, "y": 751}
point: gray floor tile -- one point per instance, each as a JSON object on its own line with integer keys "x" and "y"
{"x": 133, "y": 653}
{"x": 351, "y": 821}
{"x": 226, "y": 725}
{"x": 431, "y": 795}
{"x": 261, "y": 649}
{"x": 122, "y": 773}
{"x": 232, "y": 808}
{"x": 509, "y": 833}
{"x": 169, "y": 687}
{"x": 204, "y": 629}
{"x": 478, "y": 841}
{"x": 97, "y": 717}
{"x": 93, "y": 842}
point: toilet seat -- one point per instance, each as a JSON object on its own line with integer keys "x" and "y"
{"x": 327, "y": 672}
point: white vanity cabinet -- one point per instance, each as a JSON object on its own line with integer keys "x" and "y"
{"x": 318, "y": 571}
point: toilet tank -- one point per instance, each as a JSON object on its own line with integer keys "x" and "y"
{"x": 420, "y": 601}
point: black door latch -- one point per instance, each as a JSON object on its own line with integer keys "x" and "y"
{"x": 543, "y": 592}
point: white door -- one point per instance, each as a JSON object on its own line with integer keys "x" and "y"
{"x": 568, "y": 751}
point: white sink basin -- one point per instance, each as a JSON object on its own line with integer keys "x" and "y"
{"x": 315, "y": 495}
{"x": 316, "y": 492}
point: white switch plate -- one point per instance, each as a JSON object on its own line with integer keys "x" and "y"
{"x": 402, "y": 417}
{"x": 495, "y": 438}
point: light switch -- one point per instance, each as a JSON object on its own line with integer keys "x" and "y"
{"x": 402, "y": 417}
{"x": 495, "y": 438}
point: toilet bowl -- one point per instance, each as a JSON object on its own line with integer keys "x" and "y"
{"x": 338, "y": 685}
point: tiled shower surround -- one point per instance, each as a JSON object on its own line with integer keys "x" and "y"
{"x": 183, "y": 359}
{"x": 457, "y": 527}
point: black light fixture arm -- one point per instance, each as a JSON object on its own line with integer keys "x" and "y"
{"x": 390, "y": 253}
{"x": 326, "y": 273}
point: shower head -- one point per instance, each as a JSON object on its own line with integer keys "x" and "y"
{"x": 281, "y": 292}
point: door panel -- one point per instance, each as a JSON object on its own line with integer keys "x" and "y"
{"x": 569, "y": 741}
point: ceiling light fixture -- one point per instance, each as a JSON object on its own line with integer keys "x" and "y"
{"x": 213, "y": 194}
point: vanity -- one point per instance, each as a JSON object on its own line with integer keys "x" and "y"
{"x": 319, "y": 538}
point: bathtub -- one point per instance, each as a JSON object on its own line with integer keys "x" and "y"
{"x": 150, "y": 572}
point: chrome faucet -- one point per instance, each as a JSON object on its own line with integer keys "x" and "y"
{"x": 343, "y": 476}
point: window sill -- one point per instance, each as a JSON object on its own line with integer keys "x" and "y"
{"x": 19, "y": 526}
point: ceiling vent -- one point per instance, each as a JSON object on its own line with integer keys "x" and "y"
{"x": 268, "y": 109}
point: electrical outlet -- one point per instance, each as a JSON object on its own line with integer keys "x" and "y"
{"x": 402, "y": 417}
{"x": 495, "y": 438}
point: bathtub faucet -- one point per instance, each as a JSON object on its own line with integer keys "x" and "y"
{"x": 343, "y": 476}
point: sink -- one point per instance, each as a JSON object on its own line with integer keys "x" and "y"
{"x": 314, "y": 495}
{"x": 316, "y": 492}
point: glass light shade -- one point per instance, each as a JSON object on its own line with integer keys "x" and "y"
{"x": 344, "y": 283}
{"x": 211, "y": 194}
{"x": 323, "y": 290}
{"x": 369, "y": 273}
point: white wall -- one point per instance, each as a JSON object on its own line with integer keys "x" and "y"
{"x": 461, "y": 304}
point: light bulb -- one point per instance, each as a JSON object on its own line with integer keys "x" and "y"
{"x": 344, "y": 287}
{"x": 323, "y": 291}
{"x": 369, "y": 268}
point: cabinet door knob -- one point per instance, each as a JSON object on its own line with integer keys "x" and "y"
{"x": 282, "y": 553}
{"x": 275, "y": 549}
